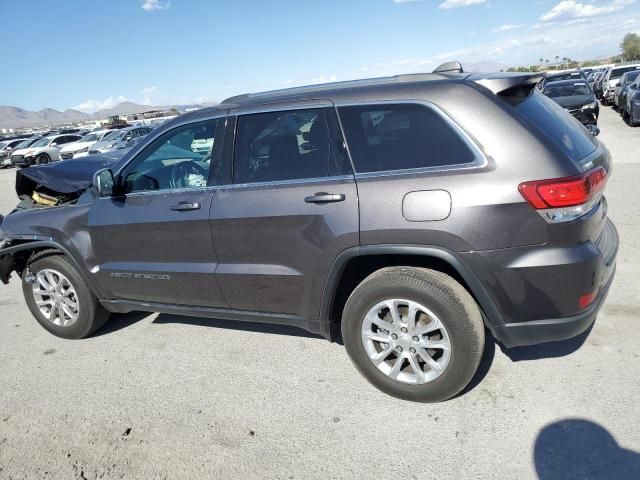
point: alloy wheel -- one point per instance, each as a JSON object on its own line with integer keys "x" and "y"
{"x": 406, "y": 341}
{"x": 56, "y": 298}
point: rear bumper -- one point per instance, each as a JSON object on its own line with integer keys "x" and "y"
{"x": 538, "y": 290}
{"x": 541, "y": 331}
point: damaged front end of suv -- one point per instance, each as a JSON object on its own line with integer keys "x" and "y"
{"x": 41, "y": 220}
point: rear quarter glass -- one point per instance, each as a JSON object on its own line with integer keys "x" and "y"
{"x": 564, "y": 131}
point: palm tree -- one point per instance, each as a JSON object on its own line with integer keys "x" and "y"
{"x": 541, "y": 61}
{"x": 565, "y": 60}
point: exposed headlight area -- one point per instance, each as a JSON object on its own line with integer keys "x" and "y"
{"x": 590, "y": 106}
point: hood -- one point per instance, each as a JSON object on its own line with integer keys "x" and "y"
{"x": 72, "y": 147}
{"x": 574, "y": 101}
{"x": 69, "y": 177}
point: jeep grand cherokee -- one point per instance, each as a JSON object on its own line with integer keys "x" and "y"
{"x": 406, "y": 214}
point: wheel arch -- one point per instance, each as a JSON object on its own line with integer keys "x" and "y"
{"x": 353, "y": 265}
{"x": 17, "y": 257}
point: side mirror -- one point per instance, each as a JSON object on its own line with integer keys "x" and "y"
{"x": 593, "y": 129}
{"x": 103, "y": 182}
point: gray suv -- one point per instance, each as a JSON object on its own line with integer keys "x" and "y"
{"x": 405, "y": 216}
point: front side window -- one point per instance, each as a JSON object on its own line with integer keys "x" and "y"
{"x": 401, "y": 136}
{"x": 173, "y": 160}
{"x": 282, "y": 146}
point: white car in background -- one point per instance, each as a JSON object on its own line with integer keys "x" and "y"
{"x": 81, "y": 147}
{"x": 45, "y": 150}
{"x": 612, "y": 78}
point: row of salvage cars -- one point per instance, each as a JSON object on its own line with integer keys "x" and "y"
{"x": 40, "y": 150}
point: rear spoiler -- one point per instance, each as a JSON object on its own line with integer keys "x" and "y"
{"x": 506, "y": 83}
{"x": 503, "y": 83}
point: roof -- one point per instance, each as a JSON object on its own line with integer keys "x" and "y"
{"x": 495, "y": 82}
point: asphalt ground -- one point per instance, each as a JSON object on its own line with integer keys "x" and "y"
{"x": 161, "y": 396}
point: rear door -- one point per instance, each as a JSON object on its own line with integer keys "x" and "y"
{"x": 286, "y": 207}
{"x": 154, "y": 243}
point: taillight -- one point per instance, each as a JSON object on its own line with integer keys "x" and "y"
{"x": 564, "y": 199}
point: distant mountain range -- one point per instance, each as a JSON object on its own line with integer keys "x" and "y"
{"x": 14, "y": 117}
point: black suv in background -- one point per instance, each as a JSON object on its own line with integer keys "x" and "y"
{"x": 405, "y": 215}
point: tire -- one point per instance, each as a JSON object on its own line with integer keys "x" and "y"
{"x": 447, "y": 301}
{"x": 91, "y": 315}
{"x": 43, "y": 159}
{"x": 632, "y": 122}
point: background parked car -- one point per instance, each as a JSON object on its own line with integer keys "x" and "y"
{"x": 620, "y": 92}
{"x": 558, "y": 77}
{"x": 81, "y": 147}
{"x": 631, "y": 111}
{"x": 44, "y": 150}
{"x": 597, "y": 85}
{"x": 6, "y": 147}
{"x": 123, "y": 138}
{"x": 577, "y": 98}
{"x": 611, "y": 80}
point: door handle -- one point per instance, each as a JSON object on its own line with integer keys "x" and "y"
{"x": 185, "y": 206}
{"x": 324, "y": 197}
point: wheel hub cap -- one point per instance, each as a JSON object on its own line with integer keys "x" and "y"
{"x": 56, "y": 298}
{"x": 406, "y": 341}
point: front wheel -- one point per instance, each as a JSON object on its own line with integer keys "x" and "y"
{"x": 414, "y": 333}
{"x": 43, "y": 159}
{"x": 59, "y": 298}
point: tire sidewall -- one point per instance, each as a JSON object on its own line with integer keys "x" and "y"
{"x": 81, "y": 327}
{"x": 463, "y": 362}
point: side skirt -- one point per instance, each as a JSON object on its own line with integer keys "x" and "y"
{"x": 126, "y": 306}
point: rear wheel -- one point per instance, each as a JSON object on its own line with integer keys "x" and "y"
{"x": 59, "y": 298}
{"x": 414, "y": 333}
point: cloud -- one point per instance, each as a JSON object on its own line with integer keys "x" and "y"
{"x": 506, "y": 27}
{"x": 461, "y": 3}
{"x": 148, "y": 93}
{"x": 569, "y": 9}
{"x": 151, "y": 5}
{"x": 90, "y": 106}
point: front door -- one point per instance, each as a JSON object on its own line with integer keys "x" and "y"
{"x": 289, "y": 208}
{"x": 153, "y": 244}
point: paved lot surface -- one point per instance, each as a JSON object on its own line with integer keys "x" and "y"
{"x": 160, "y": 396}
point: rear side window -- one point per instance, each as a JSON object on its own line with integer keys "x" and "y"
{"x": 285, "y": 145}
{"x": 387, "y": 137}
{"x": 560, "y": 127}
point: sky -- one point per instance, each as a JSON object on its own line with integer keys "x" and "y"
{"x": 92, "y": 55}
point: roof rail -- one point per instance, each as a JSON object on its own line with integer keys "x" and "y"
{"x": 410, "y": 77}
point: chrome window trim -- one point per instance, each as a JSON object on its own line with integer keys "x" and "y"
{"x": 480, "y": 158}
{"x": 277, "y": 183}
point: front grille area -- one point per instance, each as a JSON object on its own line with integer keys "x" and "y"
{"x": 17, "y": 158}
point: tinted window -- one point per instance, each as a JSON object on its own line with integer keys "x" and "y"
{"x": 173, "y": 160}
{"x": 559, "y": 126}
{"x": 403, "y": 136}
{"x": 282, "y": 146}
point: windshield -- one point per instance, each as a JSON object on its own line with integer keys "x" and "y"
{"x": 26, "y": 143}
{"x": 564, "y": 76}
{"x": 567, "y": 90}
{"x": 43, "y": 142}
{"x": 618, "y": 72}
{"x": 113, "y": 135}
{"x": 92, "y": 137}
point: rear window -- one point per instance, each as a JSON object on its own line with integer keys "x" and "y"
{"x": 385, "y": 137}
{"x": 559, "y": 126}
